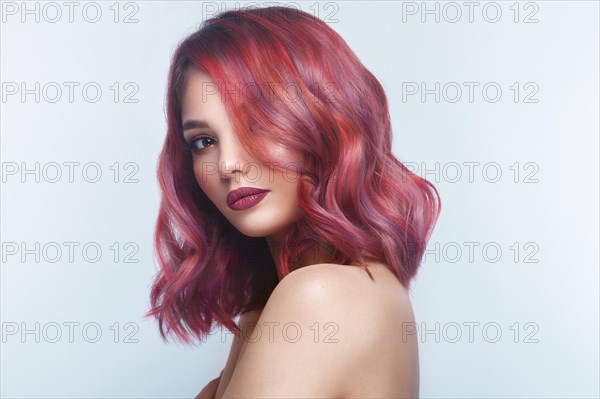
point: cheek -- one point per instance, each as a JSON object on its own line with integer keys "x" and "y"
{"x": 289, "y": 179}
{"x": 206, "y": 175}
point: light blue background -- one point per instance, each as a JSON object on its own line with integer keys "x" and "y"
{"x": 558, "y": 214}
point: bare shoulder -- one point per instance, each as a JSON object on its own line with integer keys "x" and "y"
{"x": 349, "y": 287}
{"x": 321, "y": 325}
{"x": 345, "y": 293}
{"x": 385, "y": 360}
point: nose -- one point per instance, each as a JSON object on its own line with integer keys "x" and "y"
{"x": 232, "y": 159}
{"x": 229, "y": 168}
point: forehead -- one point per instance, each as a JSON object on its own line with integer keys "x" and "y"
{"x": 201, "y": 98}
{"x": 194, "y": 76}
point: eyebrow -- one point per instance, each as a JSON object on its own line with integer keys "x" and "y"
{"x": 195, "y": 124}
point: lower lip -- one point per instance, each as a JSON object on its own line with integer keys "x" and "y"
{"x": 248, "y": 201}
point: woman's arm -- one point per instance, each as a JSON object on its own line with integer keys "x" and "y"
{"x": 317, "y": 338}
{"x": 216, "y": 387}
{"x": 209, "y": 391}
{"x": 236, "y": 346}
{"x": 284, "y": 361}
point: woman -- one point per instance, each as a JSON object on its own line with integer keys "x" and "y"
{"x": 283, "y": 204}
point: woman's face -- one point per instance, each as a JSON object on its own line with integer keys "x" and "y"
{"x": 222, "y": 164}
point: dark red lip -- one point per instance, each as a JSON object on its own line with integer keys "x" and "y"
{"x": 242, "y": 192}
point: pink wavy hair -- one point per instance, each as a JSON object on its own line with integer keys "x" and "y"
{"x": 361, "y": 202}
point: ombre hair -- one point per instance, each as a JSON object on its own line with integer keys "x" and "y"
{"x": 358, "y": 200}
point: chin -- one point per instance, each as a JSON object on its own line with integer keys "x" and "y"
{"x": 259, "y": 226}
{"x": 256, "y": 233}
{"x": 253, "y": 229}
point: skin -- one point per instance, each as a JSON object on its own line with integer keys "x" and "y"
{"x": 344, "y": 336}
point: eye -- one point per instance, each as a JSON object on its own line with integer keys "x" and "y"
{"x": 199, "y": 143}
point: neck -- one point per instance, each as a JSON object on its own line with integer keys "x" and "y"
{"x": 313, "y": 255}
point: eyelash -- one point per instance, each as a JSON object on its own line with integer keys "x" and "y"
{"x": 191, "y": 145}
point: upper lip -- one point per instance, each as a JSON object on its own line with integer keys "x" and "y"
{"x": 242, "y": 192}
